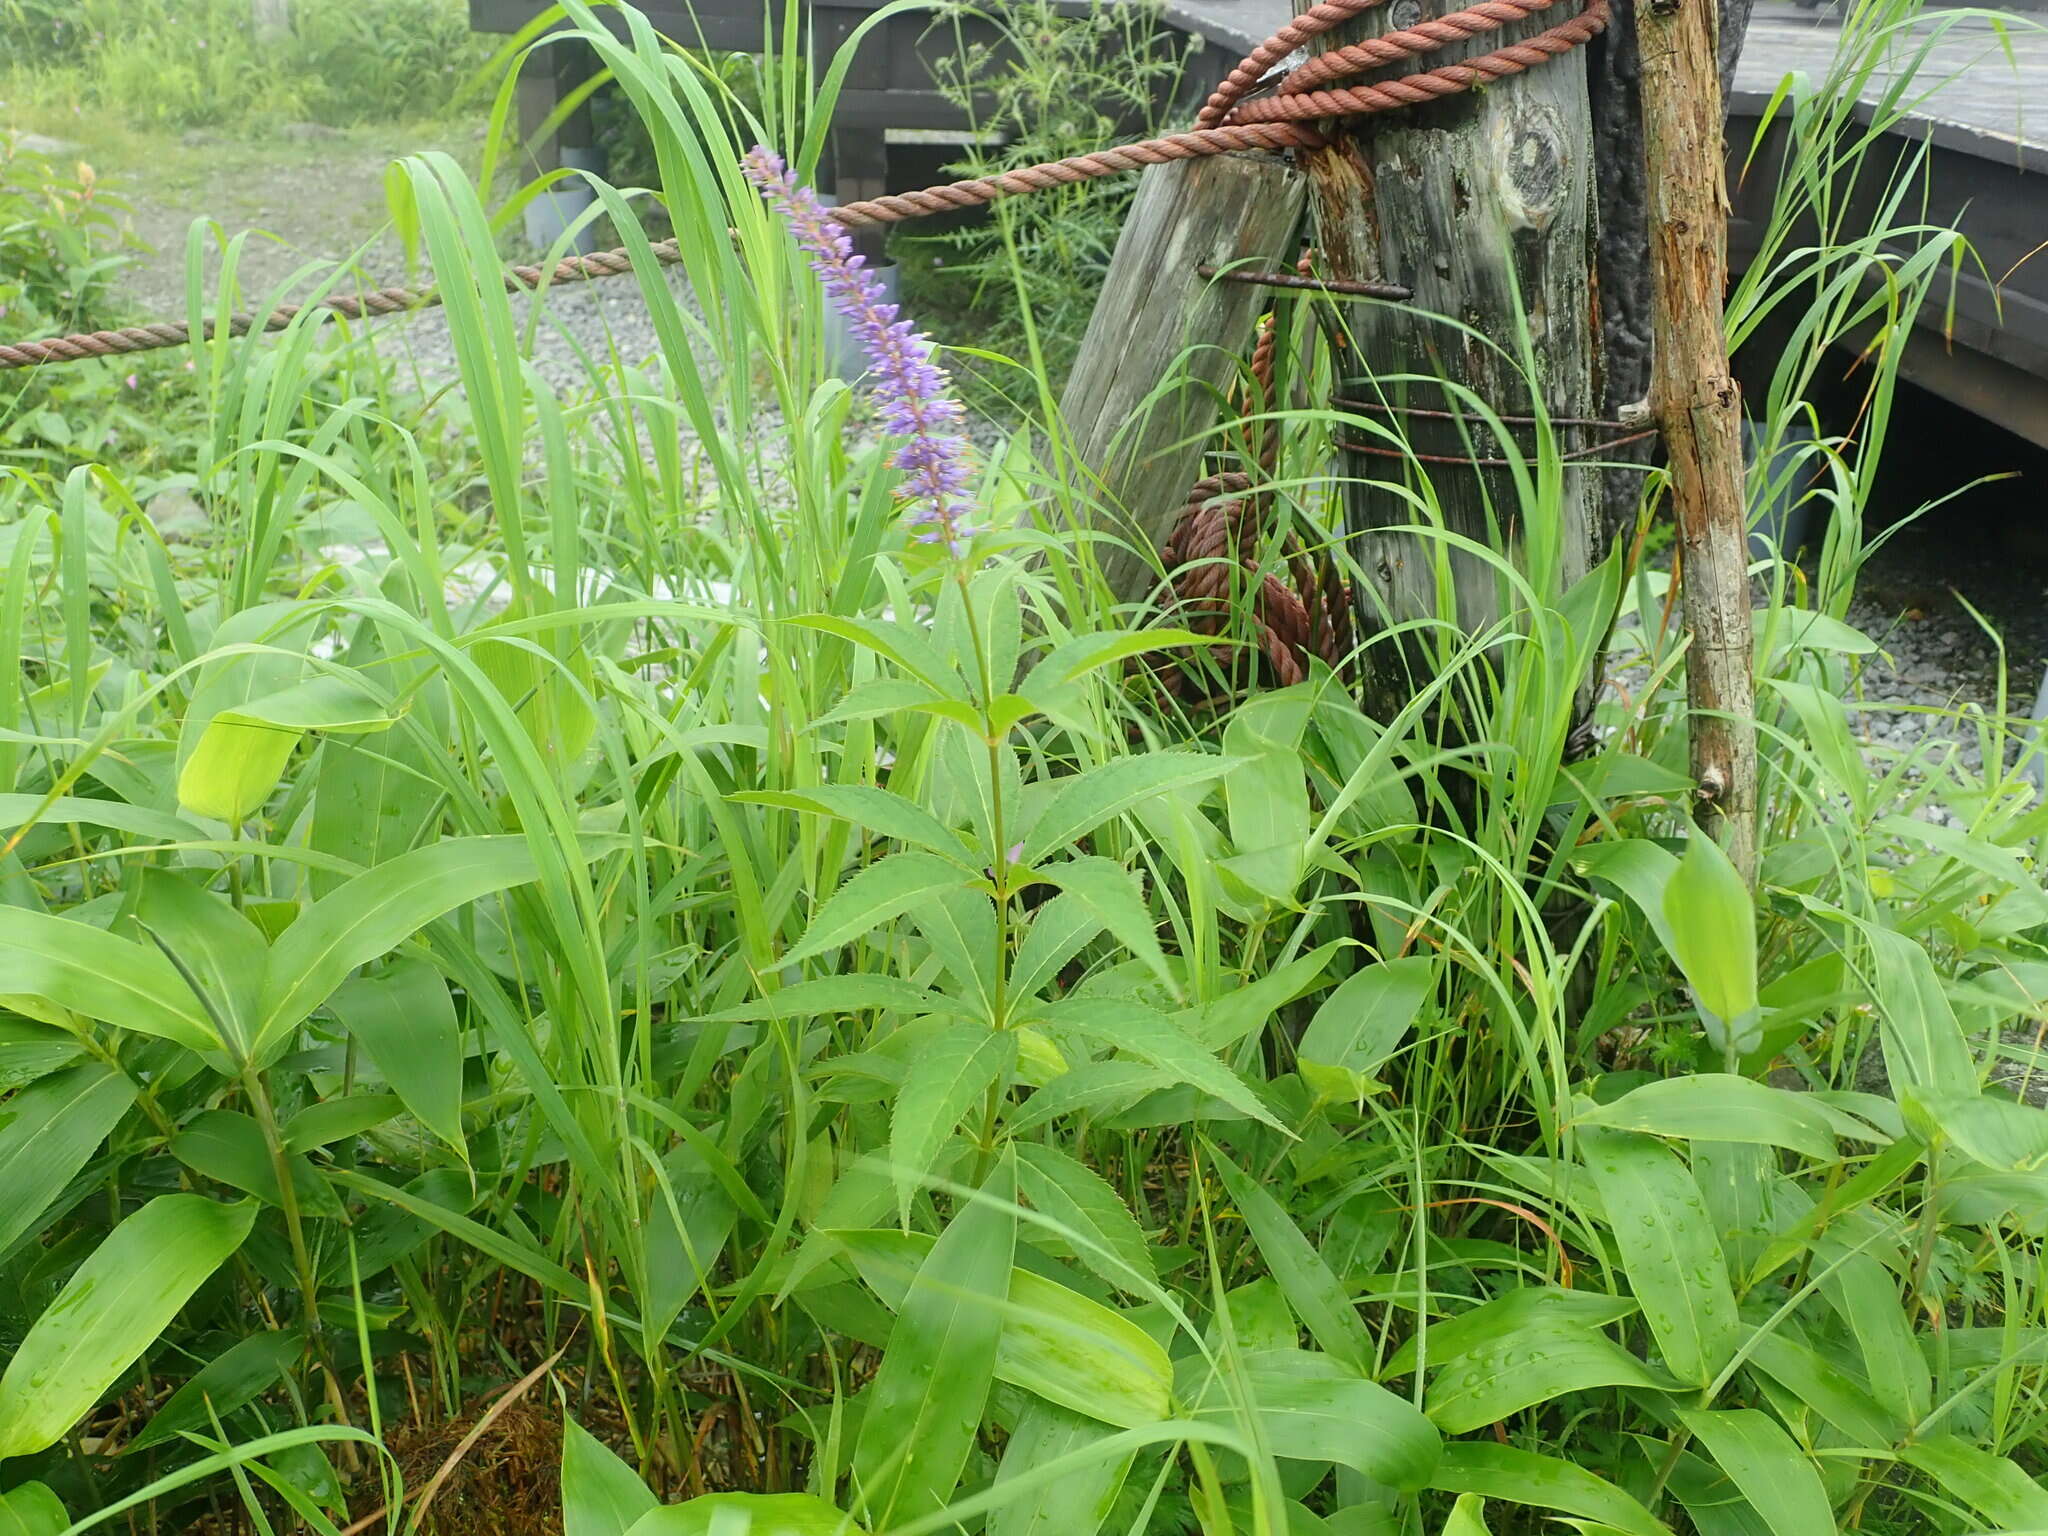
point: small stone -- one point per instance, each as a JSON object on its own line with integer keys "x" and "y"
{"x": 43, "y": 144}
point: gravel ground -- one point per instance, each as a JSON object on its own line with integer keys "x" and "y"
{"x": 1938, "y": 659}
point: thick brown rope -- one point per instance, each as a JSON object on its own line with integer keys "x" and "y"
{"x": 351, "y": 306}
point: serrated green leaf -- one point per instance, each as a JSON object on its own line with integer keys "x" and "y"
{"x": 1095, "y": 1221}
{"x": 881, "y": 811}
{"x": 1113, "y": 895}
{"x": 947, "y": 1078}
{"x": 1152, "y": 1038}
{"x": 1084, "y": 802}
{"x": 884, "y": 890}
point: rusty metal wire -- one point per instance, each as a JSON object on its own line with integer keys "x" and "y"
{"x": 1626, "y": 432}
{"x": 1302, "y": 282}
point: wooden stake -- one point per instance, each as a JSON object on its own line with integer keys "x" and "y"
{"x": 1699, "y": 407}
{"x": 1482, "y": 203}
{"x": 1159, "y": 319}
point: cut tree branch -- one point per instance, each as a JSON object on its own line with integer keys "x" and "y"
{"x": 1699, "y": 407}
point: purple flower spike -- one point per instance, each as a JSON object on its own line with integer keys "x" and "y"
{"x": 909, "y": 389}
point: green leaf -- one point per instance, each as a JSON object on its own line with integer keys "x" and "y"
{"x": 1642, "y": 871}
{"x": 1712, "y": 923}
{"x": 925, "y": 1406}
{"x": 32, "y": 1510}
{"x": 1311, "y": 1289}
{"x": 1055, "y": 1343}
{"x": 1467, "y": 1517}
{"x": 243, "y": 727}
{"x": 1113, "y": 895}
{"x": 111, "y": 1309}
{"x": 217, "y": 950}
{"x": 1719, "y": 1106}
{"x": 373, "y": 914}
{"x": 1516, "y": 1476}
{"x": 227, "y": 1145}
{"x": 237, "y": 1376}
{"x": 2012, "y": 1138}
{"x": 601, "y": 1495}
{"x": 1537, "y": 1364}
{"x": 854, "y": 992}
{"x": 17, "y": 811}
{"x": 1924, "y": 1049}
{"x": 405, "y": 1022}
{"x": 884, "y": 890}
{"x": 746, "y": 1514}
{"x": 1315, "y": 1408}
{"x": 1151, "y": 1037}
{"x": 1764, "y": 1463}
{"x": 233, "y": 770}
{"x": 1084, "y": 802}
{"x": 1503, "y": 1319}
{"x": 948, "y": 1077}
{"x": 1093, "y": 1217}
{"x": 1089, "y": 1088}
{"x": 881, "y": 811}
{"x": 47, "y": 1131}
{"x": 1669, "y": 1249}
{"x": 31, "y": 1050}
{"x": 1864, "y": 1295}
{"x": 342, "y": 1119}
{"x": 1360, "y": 1023}
{"x": 1826, "y": 1388}
{"x": 87, "y": 970}
{"x": 1994, "y": 1486}
{"x": 1077, "y": 1504}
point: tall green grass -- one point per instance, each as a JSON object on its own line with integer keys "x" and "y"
{"x": 533, "y": 889}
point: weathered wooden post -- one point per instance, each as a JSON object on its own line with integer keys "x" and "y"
{"x": 1165, "y": 342}
{"x": 1482, "y": 203}
{"x": 1699, "y": 407}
